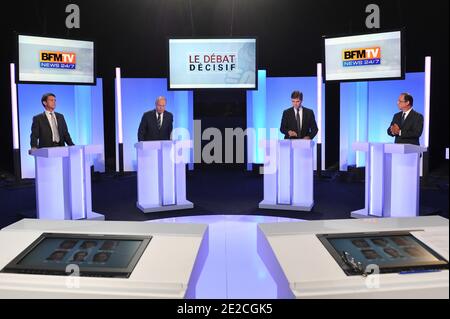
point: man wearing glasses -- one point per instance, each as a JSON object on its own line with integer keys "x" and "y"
{"x": 407, "y": 125}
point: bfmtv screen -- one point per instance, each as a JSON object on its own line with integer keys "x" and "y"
{"x": 212, "y": 63}
{"x": 364, "y": 57}
{"x": 53, "y": 60}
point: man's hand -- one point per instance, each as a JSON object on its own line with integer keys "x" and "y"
{"x": 292, "y": 134}
{"x": 32, "y": 150}
{"x": 395, "y": 129}
{"x": 307, "y": 138}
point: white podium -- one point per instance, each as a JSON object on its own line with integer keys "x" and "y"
{"x": 392, "y": 180}
{"x": 161, "y": 175}
{"x": 288, "y": 175}
{"x": 63, "y": 182}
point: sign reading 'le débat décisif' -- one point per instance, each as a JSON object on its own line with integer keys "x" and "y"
{"x": 212, "y": 63}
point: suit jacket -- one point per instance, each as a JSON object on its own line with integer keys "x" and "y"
{"x": 289, "y": 123}
{"x": 41, "y": 132}
{"x": 411, "y": 129}
{"x": 148, "y": 129}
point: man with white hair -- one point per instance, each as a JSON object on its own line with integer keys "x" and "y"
{"x": 157, "y": 124}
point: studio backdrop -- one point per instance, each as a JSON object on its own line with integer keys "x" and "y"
{"x": 82, "y": 107}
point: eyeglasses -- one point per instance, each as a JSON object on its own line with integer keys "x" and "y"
{"x": 400, "y": 101}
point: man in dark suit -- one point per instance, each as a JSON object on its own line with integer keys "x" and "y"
{"x": 49, "y": 129}
{"x": 407, "y": 125}
{"x": 157, "y": 124}
{"x": 298, "y": 122}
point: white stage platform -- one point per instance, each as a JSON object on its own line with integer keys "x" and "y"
{"x": 169, "y": 267}
{"x": 303, "y": 268}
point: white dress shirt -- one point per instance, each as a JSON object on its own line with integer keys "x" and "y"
{"x": 55, "y": 133}
{"x": 300, "y": 109}
{"x": 162, "y": 117}
{"x": 406, "y": 115}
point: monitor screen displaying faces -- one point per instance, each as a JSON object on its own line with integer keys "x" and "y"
{"x": 390, "y": 252}
{"x": 94, "y": 255}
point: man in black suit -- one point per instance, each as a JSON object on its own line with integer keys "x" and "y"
{"x": 157, "y": 124}
{"x": 49, "y": 129}
{"x": 298, "y": 122}
{"x": 407, "y": 125}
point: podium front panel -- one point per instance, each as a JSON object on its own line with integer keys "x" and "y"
{"x": 180, "y": 174}
{"x": 405, "y": 185}
{"x": 376, "y": 183}
{"x": 148, "y": 177}
{"x": 168, "y": 173}
{"x": 51, "y": 191}
{"x": 302, "y": 177}
{"x": 284, "y": 173}
{"x": 76, "y": 183}
{"x": 87, "y": 183}
{"x": 392, "y": 179}
{"x": 270, "y": 171}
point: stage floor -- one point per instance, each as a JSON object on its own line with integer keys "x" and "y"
{"x": 220, "y": 190}
{"x": 233, "y": 268}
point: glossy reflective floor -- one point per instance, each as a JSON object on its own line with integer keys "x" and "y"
{"x": 233, "y": 268}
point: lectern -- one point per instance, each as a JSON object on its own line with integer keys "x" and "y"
{"x": 288, "y": 175}
{"x": 161, "y": 175}
{"x": 392, "y": 179}
{"x": 63, "y": 182}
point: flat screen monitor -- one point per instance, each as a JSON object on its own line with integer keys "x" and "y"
{"x": 95, "y": 255}
{"x": 212, "y": 64}
{"x": 391, "y": 252}
{"x": 374, "y": 56}
{"x": 55, "y": 60}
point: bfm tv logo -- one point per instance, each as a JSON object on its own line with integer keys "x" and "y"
{"x": 57, "y": 60}
{"x": 360, "y": 57}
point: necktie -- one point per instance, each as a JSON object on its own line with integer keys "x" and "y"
{"x": 54, "y": 127}
{"x": 159, "y": 121}
{"x": 403, "y": 118}
{"x": 299, "y": 125}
